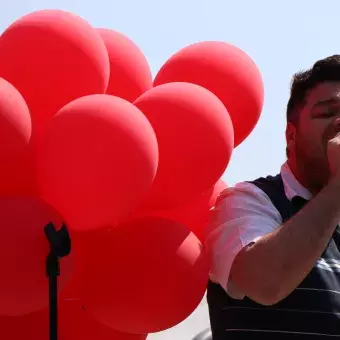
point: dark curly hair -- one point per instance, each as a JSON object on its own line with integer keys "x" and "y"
{"x": 324, "y": 70}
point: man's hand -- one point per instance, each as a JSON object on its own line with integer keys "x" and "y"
{"x": 333, "y": 153}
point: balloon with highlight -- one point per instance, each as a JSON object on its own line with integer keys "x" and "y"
{"x": 225, "y": 70}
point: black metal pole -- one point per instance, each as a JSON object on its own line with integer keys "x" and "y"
{"x": 204, "y": 335}
{"x": 60, "y": 246}
{"x": 53, "y": 262}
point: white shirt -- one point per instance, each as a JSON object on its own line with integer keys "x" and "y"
{"x": 242, "y": 215}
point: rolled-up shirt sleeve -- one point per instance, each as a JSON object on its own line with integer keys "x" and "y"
{"x": 241, "y": 216}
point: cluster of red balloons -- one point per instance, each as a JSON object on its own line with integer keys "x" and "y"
{"x": 131, "y": 164}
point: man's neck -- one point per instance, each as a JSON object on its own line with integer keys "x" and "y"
{"x": 301, "y": 177}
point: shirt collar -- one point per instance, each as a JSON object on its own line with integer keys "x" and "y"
{"x": 292, "y": 186}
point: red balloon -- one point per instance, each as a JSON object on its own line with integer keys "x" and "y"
{"x": 97, "y": 161}
{"x": 130, "y": 72}
{"x": 15, "y": 135}
{"x": 53, "y": 57}
{"x": 23, "y": 252}
{"x": 74, "y": 324}
{"x": 195, "y": 139}
{"x": 143, "y": 276}
{"x": 195, "y": 214}
{"x": 225, "y": 70}
{"x": 29, "y": 326}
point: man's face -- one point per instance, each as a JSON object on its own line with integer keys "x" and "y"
{"x": 318, "y": 122}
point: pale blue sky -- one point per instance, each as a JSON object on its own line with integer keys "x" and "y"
{"x": 281, "y": 36}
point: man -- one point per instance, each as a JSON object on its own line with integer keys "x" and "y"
{"x": 274, "y": 242}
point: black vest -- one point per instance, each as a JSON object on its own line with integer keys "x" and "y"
{"x": 311, "y": 312}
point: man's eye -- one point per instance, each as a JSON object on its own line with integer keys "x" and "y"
{"x": 327, "y": 114}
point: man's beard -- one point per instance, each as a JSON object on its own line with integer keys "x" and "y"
{"x": 314, "y": 171}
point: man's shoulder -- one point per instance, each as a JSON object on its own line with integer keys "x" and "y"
{"x": 269, "y": 184}
{"x": 254, "y": 190}
{"x": 260, "y": 195}
{"x": 269, "y": 179}
{"x": 244, "y": 207}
